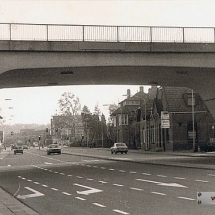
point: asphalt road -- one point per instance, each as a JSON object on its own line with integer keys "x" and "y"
{"x": 67, "y": 184}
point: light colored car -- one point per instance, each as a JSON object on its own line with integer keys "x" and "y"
{"x": 119, "y": 147}
{"x": 18, "y": 149}
{"x": 53, "y": 148}
{"x": 35, "y": 144}
{"x": 25, "y": 147}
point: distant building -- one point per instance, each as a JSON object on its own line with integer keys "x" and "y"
{"x": 67, "y": 127}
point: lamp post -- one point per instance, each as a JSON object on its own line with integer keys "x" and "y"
{"x": 193, "y": 119}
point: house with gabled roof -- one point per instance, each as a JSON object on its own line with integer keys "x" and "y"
{"x": 181, "y": 135}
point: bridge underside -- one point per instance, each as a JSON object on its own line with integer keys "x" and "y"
{"x": 199, "y": 79}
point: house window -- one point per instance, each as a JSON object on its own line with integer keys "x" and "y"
{"x": 123, "y": 119}
{"x": 189, "y": 100}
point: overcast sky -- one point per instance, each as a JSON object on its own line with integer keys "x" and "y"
{"x": 38, "y": 104}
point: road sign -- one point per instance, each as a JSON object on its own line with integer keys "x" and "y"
{"x": 165, "y": 115}
{"x": 165, "y": 123}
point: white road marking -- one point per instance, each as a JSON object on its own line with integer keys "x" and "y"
{"x": 44, "y": 185}
{"x": 54, "y": 189}
{"x": 90, "y": 190}
{"x": 103, "y": 182}
{"x": 50, "y": 171}
{"x": 8, "y": 165}
{"x": 48, "y": 163}
{"x": 121, "y": 212}
{"x": 118, "y": 185}
{"x": 90, "y": 160}
{"x": 111, "y": 169}
{"x": 202, "y": 181}
{"x": 68, "y": 194}
{"x": 23, "y": 178}
{"x": 132, "y": 172}
{"x": 44, "y": 169}
{"x": 181, "y": 197}
{"x": 163, "y": 184}
{"x": 36, "y": 182}
{"x": 34, "y": 194}
{"x": 163, "y": 176}
{"x": 29, "y": 180}
{"x": 162, "y": 194}
{"x": 102, "y": 167}
{"x": 88, "y": 165}
{"x": 56, "y": 172}
{"x": 146, "y": 173}
{"x": 79, "y": 176}
{"x": 62, "y": 173}
{"x": 95, "y": 166}
{"x": 211, "y": 175}
{"x": 97, "y": 204}
{"x": 179, "y": 178}
{"x": 69, "y": 175}
{"x": 122, "y": 170}
{"x": 90, "y": 179}
{"x": 134, "y": 188}
{"x": 80, "y": 198}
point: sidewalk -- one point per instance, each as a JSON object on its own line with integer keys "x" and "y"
{"x": 146, "y": 157}
{"x": 10, "y": 205}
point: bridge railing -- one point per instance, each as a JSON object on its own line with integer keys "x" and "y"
{"x": 49, "y": 32}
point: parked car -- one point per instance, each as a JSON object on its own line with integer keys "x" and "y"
{"x": 18, "y": 149}
{"x": 53, "y": 148}
{"x": 119, "y": 147}
{"x": 25, "y": 147}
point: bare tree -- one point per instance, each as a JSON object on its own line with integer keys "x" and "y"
{"x": 69, "y": 104}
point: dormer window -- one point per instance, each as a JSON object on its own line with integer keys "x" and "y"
{"x": 190, "y": 99}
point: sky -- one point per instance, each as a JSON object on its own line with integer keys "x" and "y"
{"x": 37, "y": 105}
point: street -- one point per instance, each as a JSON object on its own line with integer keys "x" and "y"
{"x": 69, "y": 184}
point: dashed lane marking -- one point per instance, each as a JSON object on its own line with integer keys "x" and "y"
{"x": 146, "y": 173}
{"x": 54, "y": 189}
{"x": 162, "y": 194}
{"x": 201, "y": 181}
{"x": 44, "y": 185}
{"x": 99, "y": 205}
{"x": 79, "y": 177}
{"x": 82, "y": 199}
{"x": 122, "y": 170}
{"x": 89, "y": 179}
{"x": 132, "y": 172}
{"x": 134, "y": 188}
{"x": 36, "y": 182}
{"x": 103, "y": 182}
{"x": 111, "y": 169}
{"x": 181, "y": 197}
{"x": 179, "y": 178}
{"x": 121, "y": 212}
{"x": 163, "y": 176}
{"x": 68, "y": 194}
{"x": 118, "y": 185}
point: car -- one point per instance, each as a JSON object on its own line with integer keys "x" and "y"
{"x": 119, "y": 147}
{"x": 53, "y": 148}
{"x": 25, "y": 147}
{"x": 18, "y": 149}
{"x": 35, "y": 144}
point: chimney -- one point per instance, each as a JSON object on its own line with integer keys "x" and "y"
{"x": 141, "y": 89}
{"x": 128, "y": 93}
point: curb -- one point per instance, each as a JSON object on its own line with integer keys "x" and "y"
{"x": 200, "y": 166}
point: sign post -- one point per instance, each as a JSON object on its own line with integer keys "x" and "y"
{"x": 165, "y": 124}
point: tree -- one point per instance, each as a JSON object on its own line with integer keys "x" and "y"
{"x": 69, "y": 104}
{"x": 112, "y": 108}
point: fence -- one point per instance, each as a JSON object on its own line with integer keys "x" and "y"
{"x": 49, "y": 32}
